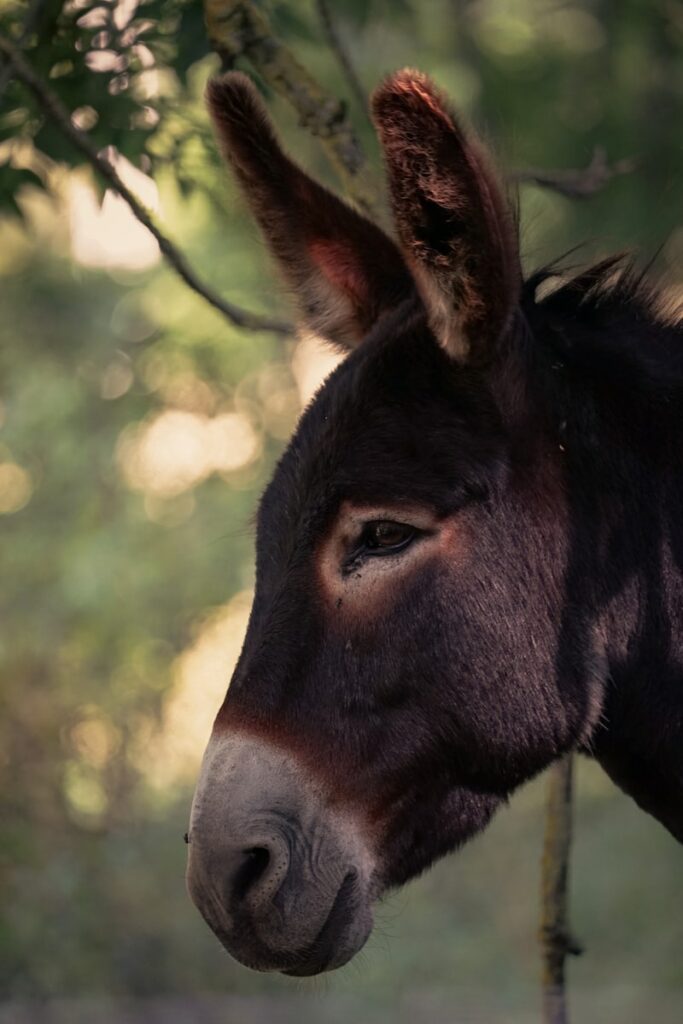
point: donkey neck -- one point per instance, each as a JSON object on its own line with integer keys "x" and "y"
{"x": 641, "y": 741}
{"x": 624, "y": 491}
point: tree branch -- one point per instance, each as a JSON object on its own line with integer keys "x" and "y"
{"x": 341, "y": 53}
{"x": 237, "y": 28}
{"x": 556, "y": 941}
{"x": 577, "y": 184}
{"x": 54, "y": 109}
{"x": 31, "y": 19}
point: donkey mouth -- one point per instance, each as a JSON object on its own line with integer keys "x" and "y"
{"x": 343, "y": 934}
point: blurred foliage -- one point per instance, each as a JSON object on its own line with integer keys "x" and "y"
{"x": 136, "y": 431}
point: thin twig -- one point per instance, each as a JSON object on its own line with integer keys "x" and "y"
{"x": 577, "y": 184}
{"x": 555, "y": 938}
{"x": 53, "y": 108}
{"x": 239, "y": 28}
{"x": 340, "y": 51}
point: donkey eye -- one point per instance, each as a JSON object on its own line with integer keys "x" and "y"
{"x": 384, "y": 537}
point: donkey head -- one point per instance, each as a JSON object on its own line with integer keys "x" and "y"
{"x": 400, "y": 672}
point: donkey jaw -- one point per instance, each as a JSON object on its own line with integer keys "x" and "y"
{"x": 282, "y": 879}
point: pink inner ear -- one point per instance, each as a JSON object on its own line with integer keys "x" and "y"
{"x": 338, "y": 264}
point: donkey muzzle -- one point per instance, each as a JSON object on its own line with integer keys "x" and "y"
{"x": 280, "y": 877}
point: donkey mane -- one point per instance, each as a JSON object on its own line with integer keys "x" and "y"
{"x": 611, "y": 324}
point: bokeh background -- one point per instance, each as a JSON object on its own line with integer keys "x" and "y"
{"x": 137, "y": 429}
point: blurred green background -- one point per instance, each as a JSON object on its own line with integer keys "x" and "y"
{"x": 137, "y": 429}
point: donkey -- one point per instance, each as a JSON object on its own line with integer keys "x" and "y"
{"x": 470, "y": 556}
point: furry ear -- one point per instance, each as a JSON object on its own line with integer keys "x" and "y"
{"x": 456, "y": 228}
{"x": 343, "y": 269}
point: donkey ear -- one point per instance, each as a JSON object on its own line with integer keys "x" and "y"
{"x": 456, "y": 228}
{"x": 343, "y": 269}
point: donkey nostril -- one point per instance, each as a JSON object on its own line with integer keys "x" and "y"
{"x": 256, "y": 860}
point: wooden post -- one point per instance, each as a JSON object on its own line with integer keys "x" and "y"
{"x": 555, "y": 938}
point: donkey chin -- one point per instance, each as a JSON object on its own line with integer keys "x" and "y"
{"x": 281, "y": 879}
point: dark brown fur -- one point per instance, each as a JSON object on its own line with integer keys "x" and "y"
{"x": 543, "y": 435}
{"x": 449, "y": 210}
{"x": 344, "y": 279}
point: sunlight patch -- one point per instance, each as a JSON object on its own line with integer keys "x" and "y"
{"x": 201, "y": 675}
{"x": 312, "y": 363}
{"x": 177, "y": 450}
{"x": 109, "y": 235}
{"x": 15, "y": 487}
